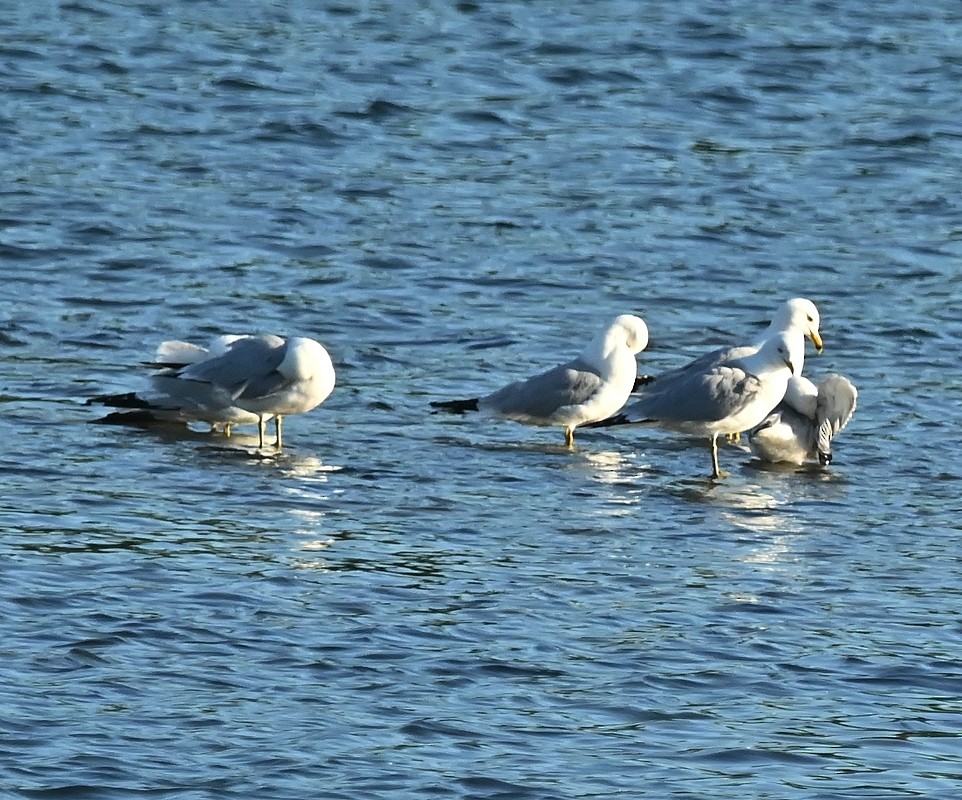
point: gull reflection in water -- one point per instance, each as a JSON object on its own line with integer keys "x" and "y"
{"x": 621, "y": 478}
{"x": 309, "y": 491}
{"x": 750, "y": 507}
{"x": 775, "y": 511}
{"x": 780, "y": 526}
{"x": 764, "y": 513}
{"x": 311, "y": 528}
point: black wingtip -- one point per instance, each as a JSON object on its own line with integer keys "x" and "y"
{"x": 455, "y": 406}
{"x": 617, "y": 419}
{"x": 126, "y": 400}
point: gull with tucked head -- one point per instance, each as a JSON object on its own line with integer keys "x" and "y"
{"x": 238, "y": 380}
{"x": 267, "y": 376}
{"x": 801, "y": 428}
{"x": 590, "y": 387}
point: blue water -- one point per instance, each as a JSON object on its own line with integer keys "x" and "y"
{"x": 450, "y": 196}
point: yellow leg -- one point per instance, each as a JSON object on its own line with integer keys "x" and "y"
{"x": 733, "y": 438}
{"x": 569, "y": 437}
{"x": 227, "y": 429}
{"x": 277, "y": 430}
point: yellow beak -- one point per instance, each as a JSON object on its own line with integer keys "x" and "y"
{"x": 816, "y": 340}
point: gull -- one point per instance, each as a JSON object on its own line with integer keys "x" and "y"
{"x": 797, "y": 317}
{"x": 174, "y": 355}
{"x": 168, "y": 398}
{"x": 253, "y": 379}
{"x": 710, "y": 400}
{"x": 267, "y": 376}
{"x": 802, "y": 426}
{"x": 590, "y": 387}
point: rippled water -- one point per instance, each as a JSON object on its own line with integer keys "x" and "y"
{"x": 449, "y": 196}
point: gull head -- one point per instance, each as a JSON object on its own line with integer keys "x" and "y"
{"x": 306, "y": 362}
{"x": 791, "y": 351}
{"x": 802, "y": 315}
{"x": 782, "y": 350}
{"x": 635, "y": 331}
{"x": 624, "y": 331}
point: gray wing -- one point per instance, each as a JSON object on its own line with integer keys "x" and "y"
{"x": 191, "y": 398}
{"x": 542, "y": 395}
{"x": 247, "y": 370}
{"x": 801, "y": 428}
{"x": 836, "y": 404}
{"x": 704, "y": 363}
{"x": 697, "y": 397}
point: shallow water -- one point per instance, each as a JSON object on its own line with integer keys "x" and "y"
{"x": 450, "y": 196}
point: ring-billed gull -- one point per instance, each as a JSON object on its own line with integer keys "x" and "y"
{"x": 803, "y": 425}
{"x": 174, "y": 355}
{"x": 590, "y": 387}
{"x": 732, "y": 396}
{"x": 268, "y": 376}
{"x": 253, "y": 379}
{"x": 797, "y": 317}
{"x": 168, "y": 398}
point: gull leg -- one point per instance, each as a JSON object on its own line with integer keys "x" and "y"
{"x": 260, "y": 430}
{"x": 277, "y": 430}
{"x": 733, "y": 438}
{"x": 716, "y": 471}
{"x": 227, "y": 429}
{"x": 569, "y": 437}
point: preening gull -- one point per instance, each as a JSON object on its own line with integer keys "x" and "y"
{"x": 802, "y": 426}
{"x": 246, "y": 379}
{"x": 710, "y": 400}
{"x": 588, "y": 388}
{"x": 169, "y": 398}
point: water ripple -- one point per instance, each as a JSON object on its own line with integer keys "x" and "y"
{"x": 451, "y": 197}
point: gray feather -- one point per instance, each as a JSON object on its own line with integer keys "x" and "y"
{"x": 541, "y": 396}
{"x": 836, "y": 404}
{"x": 248, "y": 370}
{"x": 697, "y": 397}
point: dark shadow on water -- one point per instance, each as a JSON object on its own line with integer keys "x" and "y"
{"x": 172, "y": 433}
{"x": 239, "y": 446}
{"x": 559, "y": 449}
{"x": 811, "y": 474}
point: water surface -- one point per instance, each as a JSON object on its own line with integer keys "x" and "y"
{"x": 450, "y": 196}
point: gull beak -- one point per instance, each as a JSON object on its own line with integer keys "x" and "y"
{"x": 789, "y": 364}
{"x": 816, "y": 340}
